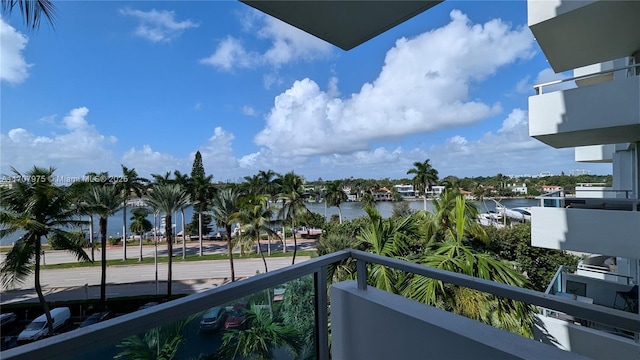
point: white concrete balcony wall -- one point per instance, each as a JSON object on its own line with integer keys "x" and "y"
{"x": 574, "y": 33}
{"x": 596, "y": 231}
{"x": 583, "y": 340}
{"x": 605, "y": 113}
{"x": 595, "y": 153}
{"x": 374, "y": 324}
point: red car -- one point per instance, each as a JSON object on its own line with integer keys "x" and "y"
{"x": 236, "y": 317}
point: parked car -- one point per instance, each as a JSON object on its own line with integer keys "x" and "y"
{"x": 96, "y": 318}
{"x": 8, "y": 322}
{"x": 213, "y": 319}
{"x": 236, "y": 317}
{"x": 38, "y": 328}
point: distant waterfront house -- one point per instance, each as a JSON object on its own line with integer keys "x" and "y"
{"x": 550, "y": 188}
{"x": 519, "y": 189}
{"x": 436, "y": 190}
{"x": 406, "y": 191}
{"x": 382, "y": 194}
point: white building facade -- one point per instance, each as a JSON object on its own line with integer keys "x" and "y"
{"x": 600, "y": 118}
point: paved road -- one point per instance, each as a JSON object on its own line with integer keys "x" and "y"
{"x": 148, "y": 251}
{"x": 189, "y": 277}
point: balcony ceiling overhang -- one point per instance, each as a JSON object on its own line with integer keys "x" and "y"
{"x": 345, "y": 24}
{"x": 573, "y": 34}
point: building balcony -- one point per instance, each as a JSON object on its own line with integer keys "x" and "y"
{"x": 593, "y": 225}
{"x": 595, "y": 153}
{"x": 602, "y": 113}
{"x": 590, "y": 286}
{"x": 577, "y": 33}
{"x": 360, "y": 315}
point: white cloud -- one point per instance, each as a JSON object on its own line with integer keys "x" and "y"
{"x": 218, "y": 152}
{"x": 231, "y": 54}
{"x": 147, "y": 161}
{"x": 249, "y": 111}
{"x": 79, "y": 146}
{"x": 422, "y": 87}
{"x": 286, "y": 44}
{"x": 158, "y": 25}
{"x": 13, "y": 66}
{"x": 509, "y": 150}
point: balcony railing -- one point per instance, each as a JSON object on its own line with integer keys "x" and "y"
{"x": 83, "y": 342}
{"x": 558, "y": 199}
{"x": 632, "y": 70}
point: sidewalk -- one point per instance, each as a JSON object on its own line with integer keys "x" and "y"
{"x": 130, "y": 280}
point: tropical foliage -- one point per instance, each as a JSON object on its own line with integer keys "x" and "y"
{"x": 260, "y": 337}
{"x": 39, "y": 210}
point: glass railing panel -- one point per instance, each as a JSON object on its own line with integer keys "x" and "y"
{"x": 282, "y": 318}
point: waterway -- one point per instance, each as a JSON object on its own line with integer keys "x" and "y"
{"x": 350, "y": 210}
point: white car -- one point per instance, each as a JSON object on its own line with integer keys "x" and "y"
{"x": 38, "y": 328}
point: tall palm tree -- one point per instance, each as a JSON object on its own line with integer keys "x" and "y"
{"x": 168, "y": 199}
{"x": 140, "y": 224}
{"x": 293, "y": 205}
{"x": 224, "y": 211}
{"x": 334, "y": 196}
{"x": 271, "y": 184}
{"x": 260, "y": 338}
{"x": 128, "y": 183}
{"x": 39, "y": 209}
{"x": 103, "y": 200}
{"x": 255, "y": 218}
{"x": 425, "y": 177}
{"x": 202, "y": 190}
{"x": 32, "y": 11}
{"x": 184, "y": 182}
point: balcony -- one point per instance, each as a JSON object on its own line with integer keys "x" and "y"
{"x": 601, "y": 113}
{"x": 584, "y": 336}
{"x": 587, "y": 224}
{"x": 578, "y": 33}
{"x": 595, "y": 153}
{"x": 359, "y": 314}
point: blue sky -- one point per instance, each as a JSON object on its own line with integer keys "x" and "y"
{"x": 147, "y": 84}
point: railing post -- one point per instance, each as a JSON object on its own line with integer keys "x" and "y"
{"x": 322, "y": 316}
{"x": 361, "y": 267}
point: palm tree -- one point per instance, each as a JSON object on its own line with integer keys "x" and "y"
{"x": 32, "y": 11}
{"x": 128, "y": 183}
{"x": 168, "y": 199}
{"x": 255, "y": 217}
{"x": 39, "y": 209}
{"x": 453, "y": 252}
{"x": 225, "y": 211}
{"x": 293, "y": 205}
{"x": 334, "y": 196}
{"x": 270, "y": 184}
{"x": 185, "y": 183}
{"x": 103, "y": 200}
{"x": 387, "y": 237}
{"x": 442, "y": 219}
{"x": 261, "y": 336}
{"x": 425, "y": 176}
{"x": 202, "y": 190}
{"x": 161, "y": 343}
{"x": 140, "y": 224}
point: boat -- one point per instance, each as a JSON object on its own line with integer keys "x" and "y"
{"x": 522, "y": 214}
